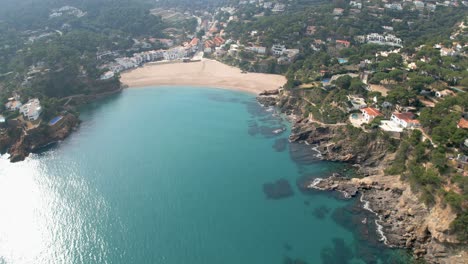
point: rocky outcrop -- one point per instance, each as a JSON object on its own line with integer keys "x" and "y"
{"x": 34, "y": 139}
{"x": 267, "y": 101}
{"x": 19, "y": 141}
{"x": 269, "y": 92}
{"x": 403, "y": 221}
{"x": 369, "y": 151}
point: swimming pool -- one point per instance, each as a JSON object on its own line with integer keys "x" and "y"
{"x": 342, "y": 60}
{"x": 55, "y": 120}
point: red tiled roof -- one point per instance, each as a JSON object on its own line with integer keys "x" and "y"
{"x": 371, "y": 111}
{"x": 344, "y": 42}
{"x": 408, "y": 117}
{"x": 463, "y": 123}
{"x": 218, "y": 41}
{"x": 209, "y": 43}
{"x": 194, "y": 41}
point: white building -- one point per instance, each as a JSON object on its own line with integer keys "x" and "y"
{"x": 278, "y": 50}
{"x": 279, "y": 8}
{"x": 419, "y": 5}
{"x": 233, "y": 49}
{"x": 448, "y": 52}
{"x": 31, "y": 110}
{"x": 207, "y": 50}
{"x": 13, "y": 104}
{"x": 389, "y": 39}
{"x": 394, "y": 6}
{"x": 338, "y": 11}
{"x": 257, "y": 49}
{"x": 107, "y": 75}
{"x": 2, "y": 119}
{"x": 267, "y": 5}
{"x": 355, "y": 4}
{"x": 443, "y": 93}
{"x": 369, "y": 114}
{"x": 175, "y": 54}
{"x": 405, "y": 120}
{"x": 290, "y": 55}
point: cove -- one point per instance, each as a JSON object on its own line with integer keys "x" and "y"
{"x": 177, "y": 175}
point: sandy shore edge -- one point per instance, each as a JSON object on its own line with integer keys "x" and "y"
{"x": 205, "y": 73}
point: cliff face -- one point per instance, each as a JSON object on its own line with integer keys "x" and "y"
{"x": 405, "y": 222}
{"x": 370, "y": 151}
{"x": 32, "y": 140}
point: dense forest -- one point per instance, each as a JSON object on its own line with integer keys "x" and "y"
{"x": 64, "y": 47}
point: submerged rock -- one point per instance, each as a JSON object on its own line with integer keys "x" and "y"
{"x": 280, "y": 144}
{"x": 289, "y": 260}
{"x": 278, "y": 190}
{"x": 321, "y": 212}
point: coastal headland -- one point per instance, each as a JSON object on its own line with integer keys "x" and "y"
{"x": 205, "y": 73}
{"x": 403, "y": 221}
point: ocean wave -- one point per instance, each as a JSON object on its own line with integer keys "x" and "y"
{"x": 379, "y": 229}
{"x": 314, "y": 184}
{"x": 315, "y": 148}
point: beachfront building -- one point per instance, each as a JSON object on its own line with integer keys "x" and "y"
{"x": 291, "y": 53}
{"x": 175, "y": 53}
{"x": 405, "y": 120}
{"x": 107, "y": 75}
{"x": 31, "y": 110}
{"x": 257, "y": 49}
{"x": 278, "y": 50}
{"x": 369, "y": 114}
{"x": 166, "y": 42}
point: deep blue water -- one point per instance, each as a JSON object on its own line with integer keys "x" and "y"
{"x": 176, "y": 175}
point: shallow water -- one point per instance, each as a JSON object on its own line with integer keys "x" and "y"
{"x": 176, "y": 175}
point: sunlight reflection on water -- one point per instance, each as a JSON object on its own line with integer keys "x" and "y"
{"x": 44, "y": 218}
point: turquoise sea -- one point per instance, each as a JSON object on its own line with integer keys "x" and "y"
{"x": 176, "y": 175}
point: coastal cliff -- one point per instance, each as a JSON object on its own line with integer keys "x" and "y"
{"x": 403, "y": 220}
{"x": 20, "y": 142}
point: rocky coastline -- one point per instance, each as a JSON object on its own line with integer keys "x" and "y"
{"x": 19, "y": 142}
{"x": 402, "y": 221}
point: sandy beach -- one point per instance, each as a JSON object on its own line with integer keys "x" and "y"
{"x": 206, "y": 73}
